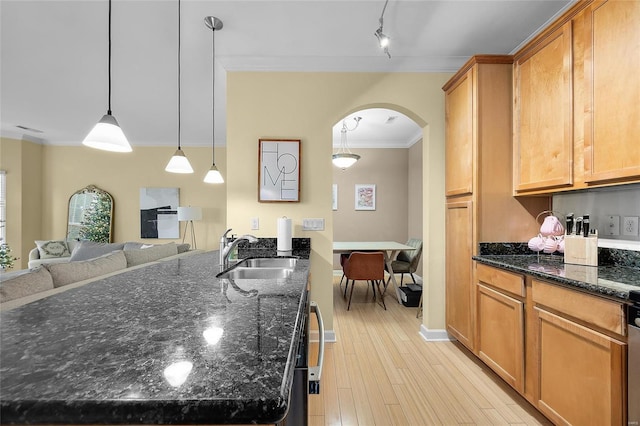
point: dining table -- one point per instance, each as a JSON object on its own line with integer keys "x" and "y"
{"x": 389, "y": 249}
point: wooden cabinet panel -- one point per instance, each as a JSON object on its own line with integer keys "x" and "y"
{"x": 581, "y": 373}
{"x": 605, "y": 314}
{"x": 612, "y": 120}
{"x": 503, "y": 280}
{"x": 460, "y": 309}
{"x": 543, "y": 115}
{"x": 459, "y": 129}
{"x": 501, "y": 335}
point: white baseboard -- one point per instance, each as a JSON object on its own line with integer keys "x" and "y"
{"x": 329, "y": 336}
{"x": 435, "y": 335}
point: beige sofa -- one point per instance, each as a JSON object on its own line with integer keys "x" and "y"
{"x": 23, "y": 287}
{"x": 78, "y": 250}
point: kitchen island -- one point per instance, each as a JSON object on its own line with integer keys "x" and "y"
{"x": 168, "y": 343}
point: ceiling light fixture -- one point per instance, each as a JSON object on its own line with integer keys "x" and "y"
{"x": 383, "y": 39}
{"x": 179, "y": 162}
{"x": 107, "y": 134}
{"x": 344, "y": 158}
{"x": 213, "y": 175}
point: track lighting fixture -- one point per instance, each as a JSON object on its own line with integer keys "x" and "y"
{"x": 383, "y": 39}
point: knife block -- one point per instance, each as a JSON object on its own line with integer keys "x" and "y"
{"x": 579, "y": 250}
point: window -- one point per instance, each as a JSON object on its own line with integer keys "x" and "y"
{"x": 3, "y": 205}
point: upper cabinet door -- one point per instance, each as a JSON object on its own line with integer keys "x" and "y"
{"x": 543, "y": 114}
{"x": 460, "y": 135}
{"x": 612, "y": 119}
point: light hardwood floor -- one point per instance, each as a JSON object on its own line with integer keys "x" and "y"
{"x": 382, "y": 372}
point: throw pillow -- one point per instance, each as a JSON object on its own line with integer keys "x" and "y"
{"x": 144, "y": 255}
{"x": 67, "y": 273}
{"x": 26, "y": 284}
{"x": 86, "y": 250}
{"x": 183, "y": 248}
{"x": 52, "y": 248}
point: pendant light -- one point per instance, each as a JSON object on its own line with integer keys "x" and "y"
{"x": 179, "y": 162}
{"x": 213, "y": 175}
{"x": 344, "y": 158}
{"x": 107, "y": 134}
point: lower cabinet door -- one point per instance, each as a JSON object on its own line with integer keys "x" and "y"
{"x": 501, "y": 335}
{"x": 581, "y": 373}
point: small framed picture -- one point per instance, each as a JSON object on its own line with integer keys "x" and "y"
{"x": 335, "y": 196}
{"x": 365, "y": 197}
{"x": 278, "y": 170}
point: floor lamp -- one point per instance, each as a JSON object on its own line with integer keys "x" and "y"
{"x": 189, "y": 214}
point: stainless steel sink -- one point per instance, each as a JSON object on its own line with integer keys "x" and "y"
{"x": 270, "y": 262}
{"x": 256, "y": 273}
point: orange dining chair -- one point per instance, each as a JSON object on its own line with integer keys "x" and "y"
{"x": 365, "y": 266}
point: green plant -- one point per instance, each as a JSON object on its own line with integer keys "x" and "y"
{"x": 6, "y": 260}
{"x": 96, "y": 223}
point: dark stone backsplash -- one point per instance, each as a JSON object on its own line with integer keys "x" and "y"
{"x": 606, "y": 256}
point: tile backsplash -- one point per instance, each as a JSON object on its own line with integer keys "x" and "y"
{"x": 622, "y": 202}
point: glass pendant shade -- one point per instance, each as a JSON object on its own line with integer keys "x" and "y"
{"x": 179, "y": 163}
{"x": 344, "y": 160}
{"x": 107, "y": 136}
{"x": 213, "y": 175}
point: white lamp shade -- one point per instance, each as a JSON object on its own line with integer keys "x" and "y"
{"x": 213, "y": 175}
{"x": 179, "y": 163}
{"x": 189, "y": 213}
{"x": 344, "y": 160}
{"x": 107, "y": 136}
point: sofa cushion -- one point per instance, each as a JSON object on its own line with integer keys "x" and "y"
{"x": 184, "y": 247}
{"x": 52, "y": 248}
{"x": 85, "y": 250}
{"x": 67, "y": 273}
{"x": 25, "y": 284}
{"x": 140, "y": 256}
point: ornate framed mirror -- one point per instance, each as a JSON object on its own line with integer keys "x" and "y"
{"x": 90, "y": 215}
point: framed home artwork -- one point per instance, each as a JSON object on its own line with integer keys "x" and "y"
{"x": 159, "y": 212}
{"x": 365, "y": 197}
{"x": 279, "y": 170}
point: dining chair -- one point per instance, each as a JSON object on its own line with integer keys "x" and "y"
{"x": 406, "y": 262}
{"x": 365, "y": 266}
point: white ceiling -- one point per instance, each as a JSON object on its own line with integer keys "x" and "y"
{"x": 53, "y": 57}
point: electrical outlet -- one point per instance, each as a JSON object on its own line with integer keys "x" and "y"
{"x": 611, "y": 226}
{"x": 255, "y": 223}
{"x": 630, "y": 226}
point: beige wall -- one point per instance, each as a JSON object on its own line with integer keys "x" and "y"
{"x": 46, "y": 176}
{"x": 306, "y": 106}
{"x": 123, "y": 175}
{"x": 387, "y": 169}
{"x": 414, "y": 203}
{"x": 22, "y": 160}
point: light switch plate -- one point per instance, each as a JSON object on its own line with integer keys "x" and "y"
{"x": 313, "y": 224}
{"x": 255, "y": 223}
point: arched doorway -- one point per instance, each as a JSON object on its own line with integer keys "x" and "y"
{"x": 389, "y": 143}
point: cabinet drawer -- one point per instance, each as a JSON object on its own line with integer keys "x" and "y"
{"x": 593, "y": 310}
{"x": 507, "y": 281}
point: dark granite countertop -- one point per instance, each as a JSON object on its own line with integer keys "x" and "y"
{"x": 611, "y": 280}
{"x": 140, "y": 347}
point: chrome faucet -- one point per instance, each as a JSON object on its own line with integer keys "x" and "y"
{"x": 227, "y": 247}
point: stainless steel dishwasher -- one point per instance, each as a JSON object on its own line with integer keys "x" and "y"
{"x": 633, "y": 369}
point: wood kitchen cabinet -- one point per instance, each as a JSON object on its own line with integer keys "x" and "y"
{"x": 501, "y": 310}
{"x": 612, "y": 89}
{"x": 581, "y": 364}
{"x": 543, "y": 114}
{"x": 577, "y": 101}
{"x": 480, "y": 206}
{"x": 460, "y": 293}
